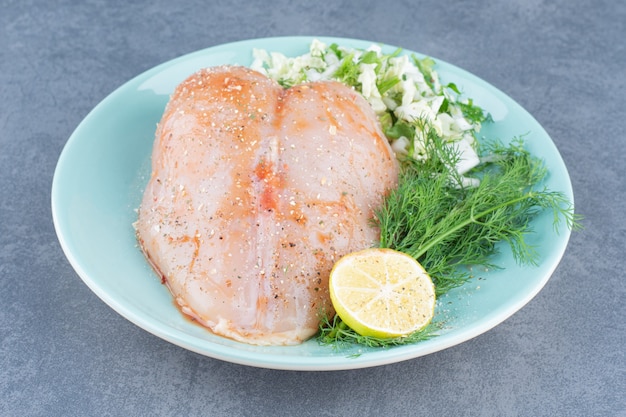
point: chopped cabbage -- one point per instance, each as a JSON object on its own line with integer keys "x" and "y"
{"x": 404, "y": 91}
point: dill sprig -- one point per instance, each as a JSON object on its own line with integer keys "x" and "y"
{"x": 446, "y": 226}
{"x": 333, "y": 331}
{"x": 449, "y": 227}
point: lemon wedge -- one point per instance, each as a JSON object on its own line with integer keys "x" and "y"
{"x": 382, "y": 293}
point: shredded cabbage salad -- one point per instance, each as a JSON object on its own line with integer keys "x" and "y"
{"x": 404, "y": 91}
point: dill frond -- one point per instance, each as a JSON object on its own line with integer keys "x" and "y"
{"x": 449, "y": 228}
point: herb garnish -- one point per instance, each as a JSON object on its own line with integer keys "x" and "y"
{"x": 448, "y": 227}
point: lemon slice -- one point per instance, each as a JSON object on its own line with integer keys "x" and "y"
{"x": 382, "y": 293}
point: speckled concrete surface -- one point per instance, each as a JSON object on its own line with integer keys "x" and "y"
{"x": 64, "y": 352}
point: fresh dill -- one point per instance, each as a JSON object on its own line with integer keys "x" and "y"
{"x": 335, "y": 332}
{"x": 448, "y": 227}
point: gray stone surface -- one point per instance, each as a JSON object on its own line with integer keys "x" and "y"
{"x": 64, "y": 352}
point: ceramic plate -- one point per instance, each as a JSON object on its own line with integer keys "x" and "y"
{"x": 99, "y": 180}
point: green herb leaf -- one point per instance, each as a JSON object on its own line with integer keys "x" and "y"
{"x": 453, "y": 87}
{"x": 335, "y": 332}
{"x": 348, "y": 71}
{"x": 369, "y": 57}
{"x": 335, "y": 49}
{"x": 473, "y": 112}
{"x": 386, "y": 84}
{"x": 399, "y": 129}
{"x": 426, "y": 66}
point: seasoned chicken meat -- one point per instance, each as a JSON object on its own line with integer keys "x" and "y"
{"x": 255, "y": 192}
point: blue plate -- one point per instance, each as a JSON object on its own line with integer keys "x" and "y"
{"x": 99, "y": 180}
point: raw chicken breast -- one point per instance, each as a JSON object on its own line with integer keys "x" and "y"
{"x": 255, "y": 192}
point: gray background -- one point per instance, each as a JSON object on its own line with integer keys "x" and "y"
{"x": 64, "y": 352}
